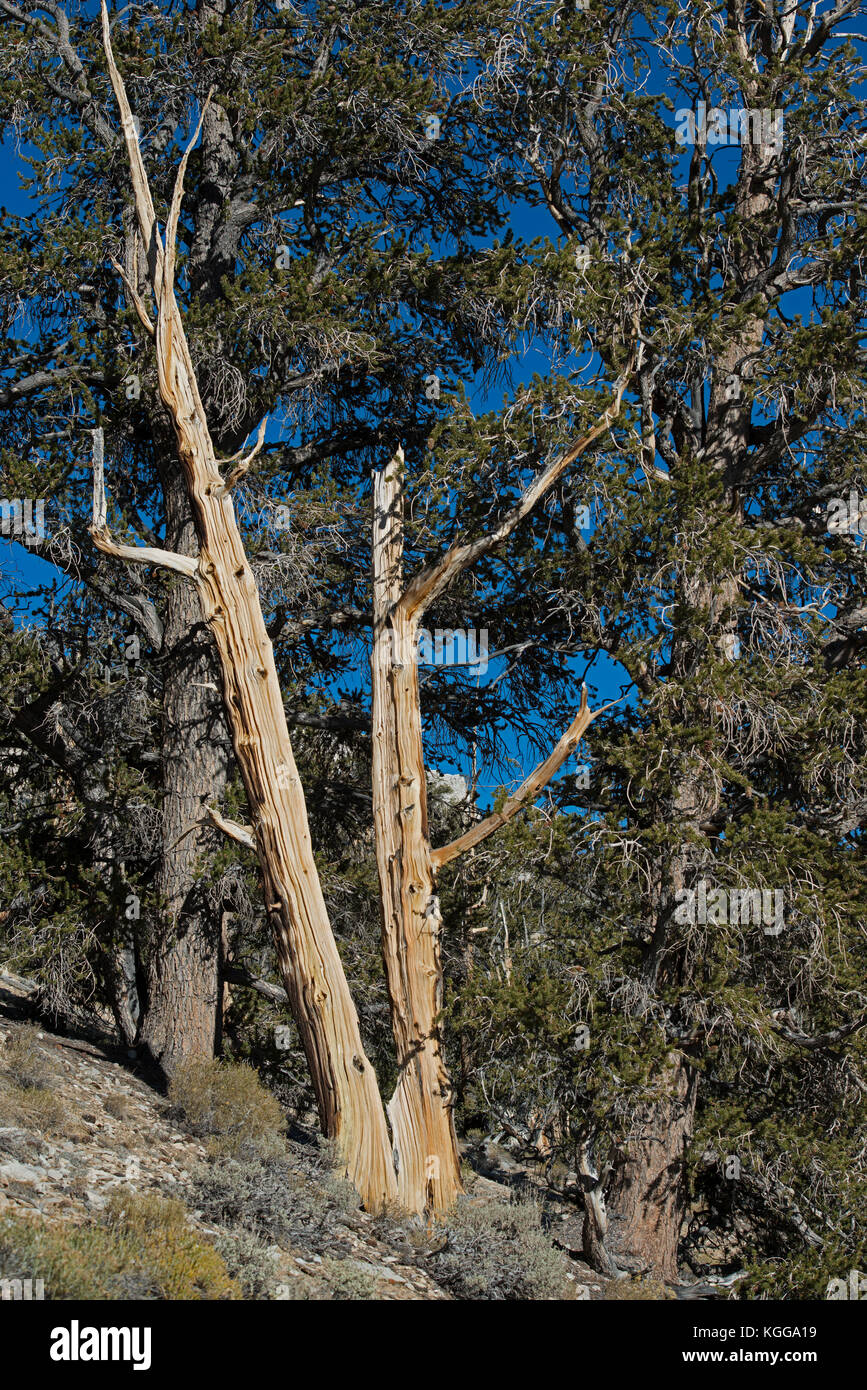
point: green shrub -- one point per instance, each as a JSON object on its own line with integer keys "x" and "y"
{"x": 225, "y": 1103}
{"x": 139, "y": 1248}
{"x": 327, "y": 1173}
{"x": 497, "y": 1250}
{"x": 341, "y": 1279}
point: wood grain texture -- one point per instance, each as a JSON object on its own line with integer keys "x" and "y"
{"x": 420, "y": 1111}
{"x": 350, "y": 1106}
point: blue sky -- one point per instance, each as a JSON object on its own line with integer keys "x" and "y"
{"x": 27, "y": 570}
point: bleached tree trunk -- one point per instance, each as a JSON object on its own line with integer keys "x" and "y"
{"x": 347, "y": 1093}
{"x": 420, "y": 1111}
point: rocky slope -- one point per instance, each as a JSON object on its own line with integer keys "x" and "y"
{"x": 93, "y": 1127}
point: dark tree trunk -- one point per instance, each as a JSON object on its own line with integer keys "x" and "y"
{"x": 647, "y": 1196}
{"x": 182, "y": 1015}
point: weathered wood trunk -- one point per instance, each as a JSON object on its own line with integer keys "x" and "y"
{"x": 420, "y": 1111}
{"x": 346, "y": 1089}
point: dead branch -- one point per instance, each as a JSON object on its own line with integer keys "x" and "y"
{"x": 102, "y": 539}
{"x": 243, "y": 834}
{"x": 836, "y": 1035}
{"x": 432, "y": 581}
{"x": 529, "y": 788}
{"x": 237, "y": 975}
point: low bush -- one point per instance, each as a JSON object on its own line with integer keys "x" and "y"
{"x": 226, "y": 1104}
{"x": 347, "y": 1280}
{"x": 252, "y": 1263}
{"x": 33, "y": 1109}
{"x": 266, "y": 1196}
{"x": 496, "y": 1250}
{"x": 25, "y": 1062}
{"x": 119, "y": 1106}
{"x": 139, "y": 1248}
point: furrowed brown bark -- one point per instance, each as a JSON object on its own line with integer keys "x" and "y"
{"x": 420, "y": 1111}
{"x": 647, "y": 1196}
{"x": 346, "y": 1089}
{"x": 647, "y": 1199}
{"x": 181, "y": 1018}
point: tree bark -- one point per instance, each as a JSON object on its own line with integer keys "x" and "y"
{"x": 181, "y": 1018}
{"x": 420, "y": 1111}
{"x": 647, "y": 1199}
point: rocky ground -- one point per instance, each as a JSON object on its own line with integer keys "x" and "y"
{"x": 116, "y": 1132}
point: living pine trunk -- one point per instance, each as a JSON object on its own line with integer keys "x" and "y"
{"x": 420, "y": 1111}
{"x": 647, "y": 1198}
{"x": 181, "y": 1014}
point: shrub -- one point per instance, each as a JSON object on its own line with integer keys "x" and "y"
{"x": 225, "y": 1103}
{"x": 265, "y": 1196}
{"x": 252, "y": 1263}
{"x": 327, "y": 1172}
{"x": 347, "y": 1280}
{"x": 119, "y": 1106}
{"x": 25, "y": 1062}
{"x": 30, "y": 1108}
{"x": 342, "y": 1279}
{"x": 497, "y": 1250}
{"x": 298, "y": 1289}
{"x": 139, "y": 1248}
